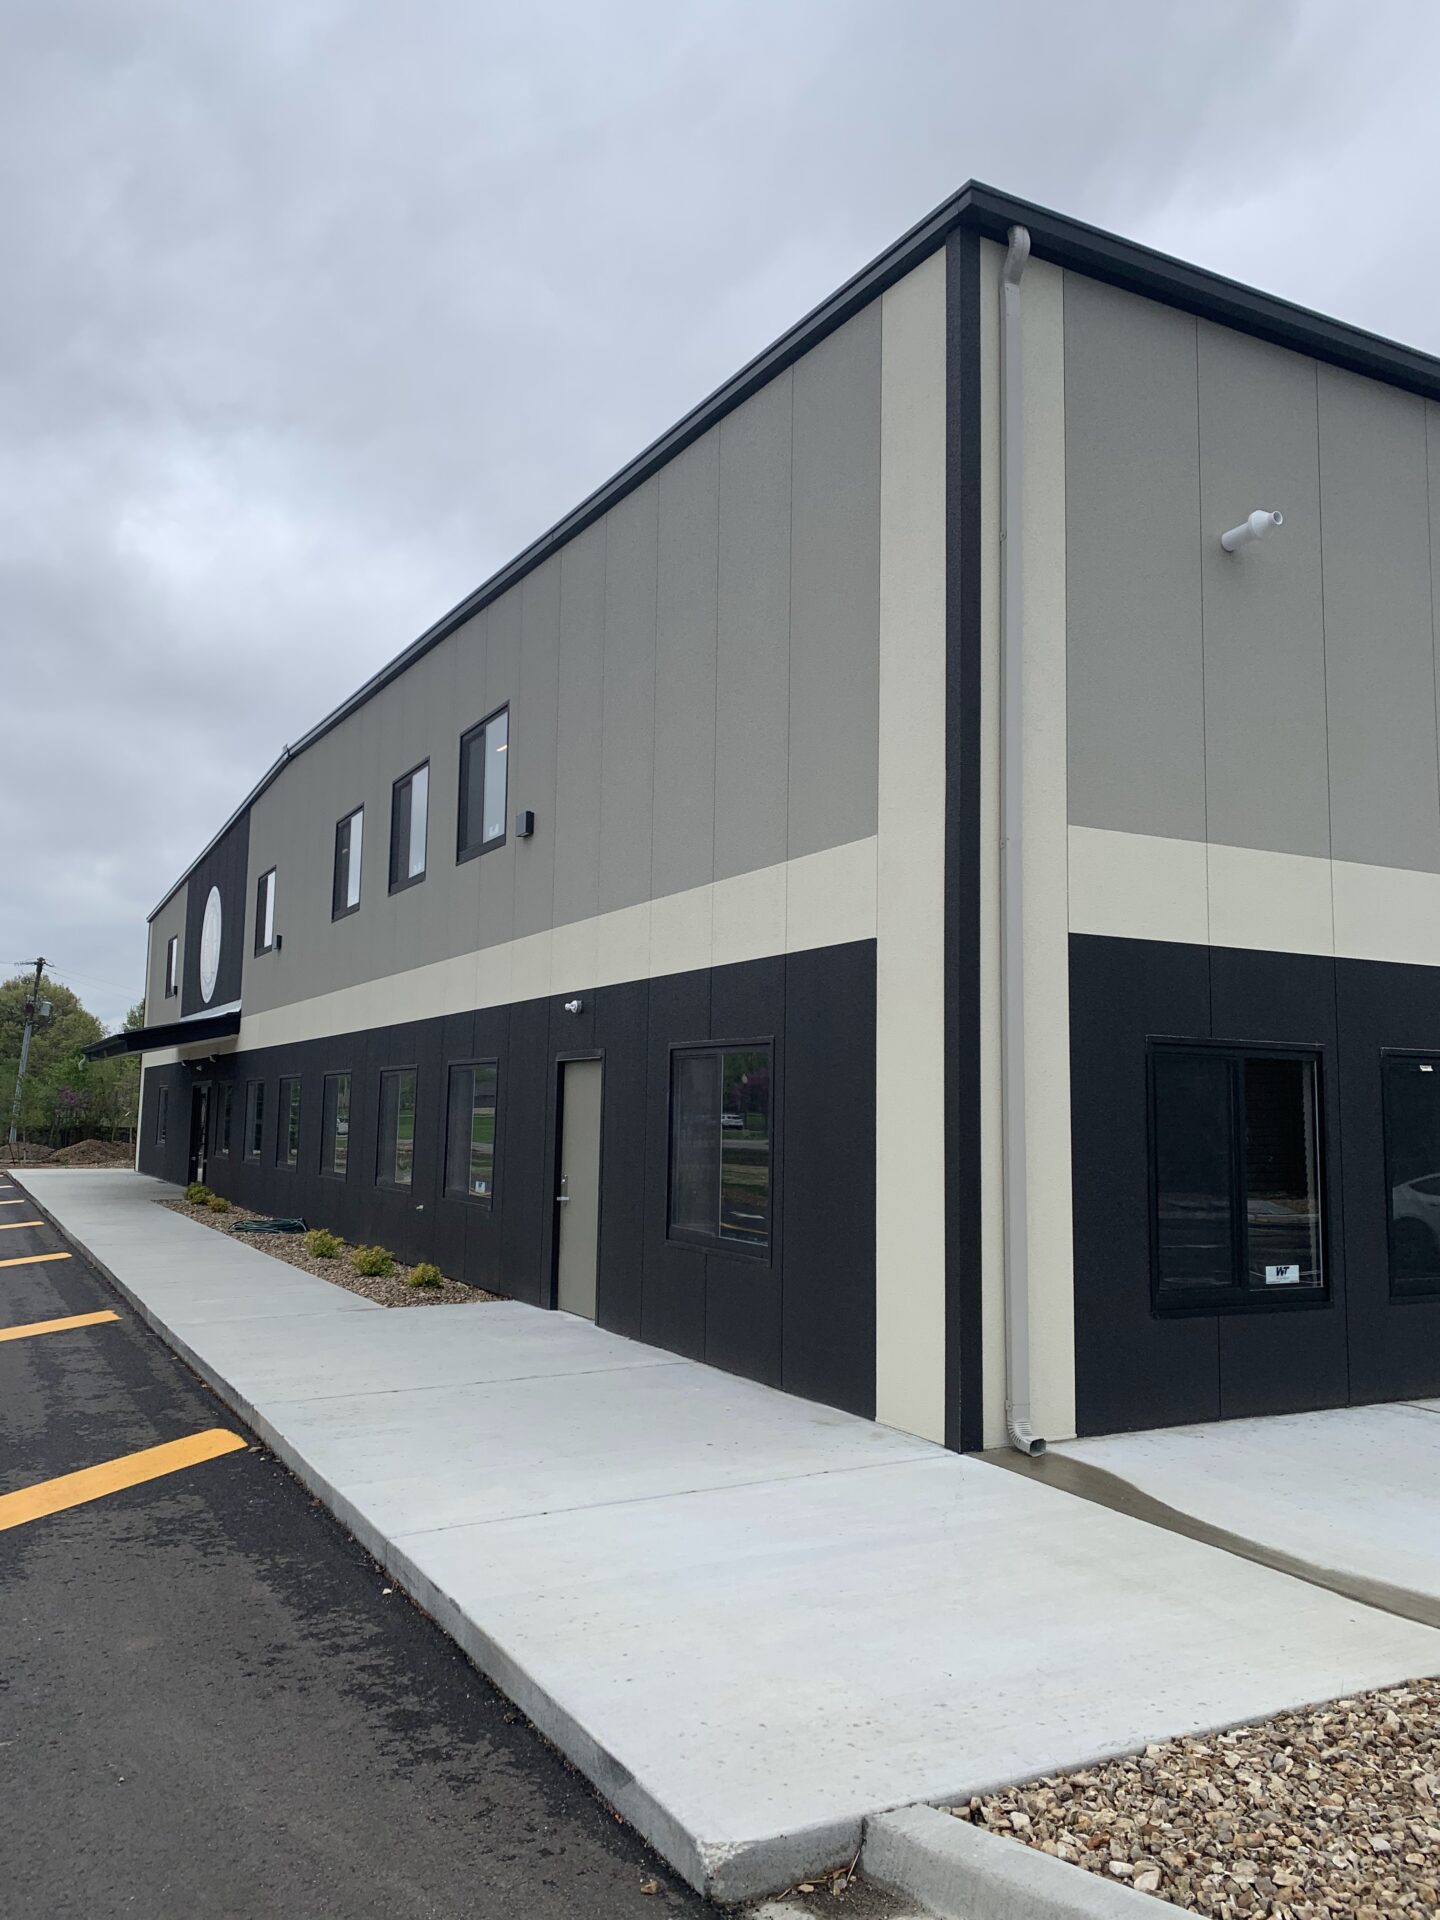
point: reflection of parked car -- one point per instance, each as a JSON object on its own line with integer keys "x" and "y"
{"x": 1415, "y": 1209}
{"x": 732, "y": 1120}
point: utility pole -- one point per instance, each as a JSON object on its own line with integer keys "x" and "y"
{"x": 32, "y": 1009}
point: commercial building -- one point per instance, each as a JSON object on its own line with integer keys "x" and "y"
{"x": 882, "y": 899}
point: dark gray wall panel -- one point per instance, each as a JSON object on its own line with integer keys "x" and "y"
{"x": 673, "y": 1306}
{"x": 224, "y": 867}
{"x": 1131, "y": 1369}
{"x": 621, "y": 1031}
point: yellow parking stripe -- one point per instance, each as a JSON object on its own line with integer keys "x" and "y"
{"x": 12, "y": 1203}
{"x": 56, "y": 1326}
{"x": 112, "y": 1476}
{"x": 32, "y": 1259}
{"x": 14, "y": 1226}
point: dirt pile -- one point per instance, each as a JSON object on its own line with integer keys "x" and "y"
{"x": 93, "y": 1153}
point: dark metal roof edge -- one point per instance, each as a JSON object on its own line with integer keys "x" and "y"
{"x": 1054, "y": 237}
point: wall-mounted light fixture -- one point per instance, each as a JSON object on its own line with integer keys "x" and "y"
{"x": 524, "y": 824}
{"x": 574, "y": 1006}
{"x": 1249, "y": 531}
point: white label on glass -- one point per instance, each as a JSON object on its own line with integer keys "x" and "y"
{"x": 1282, "y": 1276}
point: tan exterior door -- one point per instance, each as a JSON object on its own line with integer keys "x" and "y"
{"x": 578, "y": 1201}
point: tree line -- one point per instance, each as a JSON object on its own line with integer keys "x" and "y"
{"x": 66, "y": 1097}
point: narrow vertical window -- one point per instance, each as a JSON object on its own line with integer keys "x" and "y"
{"x": 395, "y": 1157}
{"x": 484, "y": 785}
{"x": 254, "y": 1119}
{"x": 720, "y": 1147}
{"x": 224, "y": 1104}
{"x": 1237, "y": 1192}
{"x": 172, "y": 965}
{"x": 1410, "y": 1100}
{"x": 409, "y": 818}
{"x": 265, "y": 912}
{"x": 470, "y": 1132}
{"x": 162, "y": 1115}
{"x": 345, "y": 891}
{"x": 335, "y": 1126}
{"x": 287, "y": 1131}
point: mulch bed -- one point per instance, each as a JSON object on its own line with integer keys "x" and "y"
{"x": 1323, "y": 1812}
{"x": 393, "y": 1291}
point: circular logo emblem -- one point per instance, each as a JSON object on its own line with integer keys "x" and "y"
{"x": 210, "y": 946}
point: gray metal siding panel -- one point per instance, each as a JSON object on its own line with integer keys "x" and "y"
{"x": 627, "y": 721}
{"x": 577, "y": 764}
{"x": 753, "y": 680}
{"x": 532, "y": 751}
{"x": 1135, "y": 675}
{"x": 494, "y": 872}
{"x": 1265, "y": 760}
{"x": 1379, "y": 637}
{"x": 683, "y": 838}
{"x": 835, "y": 590}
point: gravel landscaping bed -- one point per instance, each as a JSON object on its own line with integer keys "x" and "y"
{"x": 393, "y": 1291}
{"x": 1326, "y": 1811}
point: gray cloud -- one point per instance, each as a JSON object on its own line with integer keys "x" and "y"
{"x": 315, "y": 313}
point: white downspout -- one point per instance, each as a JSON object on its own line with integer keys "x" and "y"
{"x": 1012, "y": 897}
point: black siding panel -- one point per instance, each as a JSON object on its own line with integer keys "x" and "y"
{"x": 223, "y": 867}
{"x": 1394, "y": 1345}
{"x": 828, "y": 1349}
{"x": 1132, "y": 1369}
{"x": 528, "y": 1193}
{"x": 622, "y": 1031}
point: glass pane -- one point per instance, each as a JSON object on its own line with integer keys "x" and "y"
{"x": 405, "y": 1130}
{"x": 335, "y": 1122}
{"x": 1411, "y": 1094}
{"x": 352, "y": 875}
{"x": 270, "y": 909}
{"x": 497, "y": 746}
{"x": 1195, "y": 1245}
{"x": 457, "y": 1129}
{"x": 745, "y": 1147}
{"x": 482, "y": 1132}
{"x": 1282, "y": 1175}
{"x": 419, "y": 791}
{"x": 695, "y": 1142}
{"x": 399, "y": 832}
{"x": 289, "y": 1122}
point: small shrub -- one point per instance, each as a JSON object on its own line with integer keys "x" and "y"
{"x": 197, "y": 1194}
{"x": 375, "y": 1263}
{"x": 217, "y": 1203}
{"x": 426, "y": 1275}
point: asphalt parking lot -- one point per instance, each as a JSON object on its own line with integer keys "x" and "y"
{"x": 209, "y": 1704}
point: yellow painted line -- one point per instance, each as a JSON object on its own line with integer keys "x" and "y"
{"x": 56, "y": 1326}
{"x": 113, "y": 1476}
{"x": 33, "y": 1259}
{"x": 14, "y": 1226}
{"x": 12, "y": 1203}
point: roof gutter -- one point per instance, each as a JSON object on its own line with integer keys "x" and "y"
{"x": 1018, "y": 1429}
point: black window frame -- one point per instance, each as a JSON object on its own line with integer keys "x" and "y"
{"x": 462, "y": 805}
{"x": 1426, "y": 1286}
{"x": 339, "y": 910}
{"x": 328, "y": 1169}
{"x": 400, "y": 881}
{"x": 172, "y": 966}
{"x": 224, "y": 1118}
{"x": 254, "y": 1112}
{"x": 392, "y": 1185}
{"x": 162, "y": 1115}
{"x": 286, "y": 1159}
{"x": 713, "y": 1242}
{"x": 485, "y": 1201}
{"x": 1175, "y": 1302}
{"x": 262, "y": 945}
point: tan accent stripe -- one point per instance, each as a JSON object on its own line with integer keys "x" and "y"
{"x": 33, "y": 1259}
{"x": 113, "y": 1476}
{"x": 56, "y": 1326}
{"x": 14, "y": 1226}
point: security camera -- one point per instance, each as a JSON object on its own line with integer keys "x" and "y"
{"x": 1249, "y": 531}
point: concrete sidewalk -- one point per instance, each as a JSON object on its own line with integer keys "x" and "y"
{"x": 749, "y": 1620}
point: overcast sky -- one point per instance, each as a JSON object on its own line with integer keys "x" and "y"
{"x": 314, "y": 313}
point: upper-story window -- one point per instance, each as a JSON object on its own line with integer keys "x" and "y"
{"x": 484, "y": 751}
{"x": 265, "y": 912}
{"x": 172, "y": 965}
{"x": 345, "y": 892}
{"x": 409, "y": 818}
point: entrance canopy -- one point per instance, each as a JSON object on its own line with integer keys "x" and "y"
{"x": 219, "y": 1023}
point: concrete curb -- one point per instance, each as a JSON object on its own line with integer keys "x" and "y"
{"x": 726, "y": 1872}
{"x": 959, "y": 1872}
